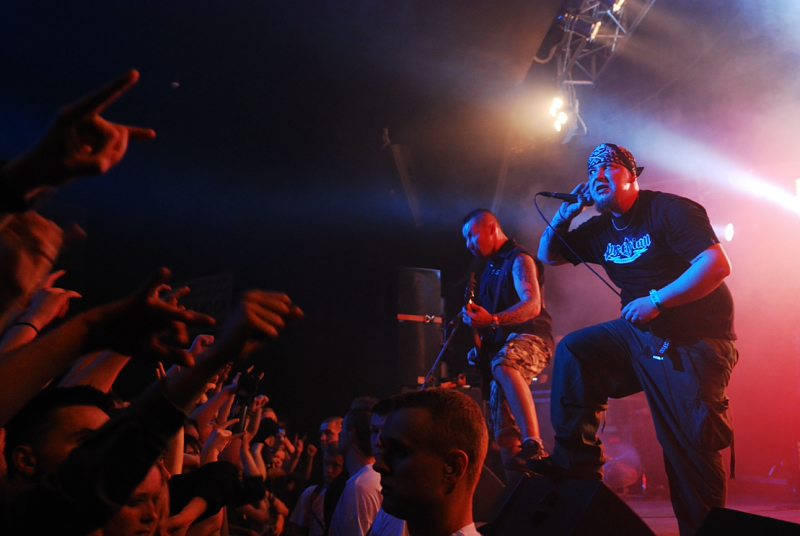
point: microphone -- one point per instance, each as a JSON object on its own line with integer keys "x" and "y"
{"x": 572, "y": 198}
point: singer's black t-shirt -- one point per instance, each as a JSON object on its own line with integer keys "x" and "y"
{"x": 660, "y": 236}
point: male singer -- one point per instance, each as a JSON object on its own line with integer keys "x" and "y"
{"x": 674, "y": 339}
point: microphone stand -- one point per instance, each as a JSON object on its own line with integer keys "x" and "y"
{"x": 457, "y": 321}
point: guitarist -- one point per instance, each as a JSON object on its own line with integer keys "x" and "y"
{"x": 514, "y": 335}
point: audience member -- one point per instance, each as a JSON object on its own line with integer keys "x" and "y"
{"x": 329, "y": 431}
{"x": 78, "y": 143}
{"x": 49, "y": 427}
{"x": 434, "y": 443}
{"x": 98, "y": 475}
{"x": 384, "y": 524}
{"x": 80, "y": 460}
{"x": 308, "y": 518}
{"x": 145, "y": 511}
{"x": 361, "y": 497}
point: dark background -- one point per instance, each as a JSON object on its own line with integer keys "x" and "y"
{"x": 269, "y": 165}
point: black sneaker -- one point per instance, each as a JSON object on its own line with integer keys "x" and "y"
{"x": 547, "y": 467}
{"x": 531, "y": 449}
{"x": 544, "y": 466}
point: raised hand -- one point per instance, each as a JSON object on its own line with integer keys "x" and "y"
{"x": 222, "y": 375}
{"x": 567, "y": 211}
{"x": 311, "y": 450}
{"x": 259, "y": 315}
{"x": 298, "y": 445}
{"x": 48, "y": 302}
{"x": 200, "y": 343}
{"x": 217, "y": 440}
{"x": 137, "y": 325}
{"x": 259, "y": 402}
{"x": 79, "y": 142}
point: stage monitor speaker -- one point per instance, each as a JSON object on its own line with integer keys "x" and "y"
{"x": 489, "y": 490}
{"x": 543, "y": 506}
{"x": 419, "y": 328}
{"x": 735, "y": 523}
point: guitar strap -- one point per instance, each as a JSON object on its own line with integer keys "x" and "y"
{"x": 503, "y": 272}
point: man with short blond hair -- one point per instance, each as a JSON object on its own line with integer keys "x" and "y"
{"x": 435, "y": 442}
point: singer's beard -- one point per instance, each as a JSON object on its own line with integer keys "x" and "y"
{"x": 606, "y": 204}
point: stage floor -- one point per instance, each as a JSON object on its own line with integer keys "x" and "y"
{"x": 768, "y": 500}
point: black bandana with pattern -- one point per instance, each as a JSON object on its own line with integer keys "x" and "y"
{"x": 607, "y": 153}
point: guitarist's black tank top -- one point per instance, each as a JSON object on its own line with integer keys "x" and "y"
{"x": 497, "y": 293}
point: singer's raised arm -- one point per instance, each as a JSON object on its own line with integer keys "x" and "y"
{"x": 550, "y": 246}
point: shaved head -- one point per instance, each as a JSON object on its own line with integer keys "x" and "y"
{"x": 480, "y": 216}
{"x": 482, "y": 232}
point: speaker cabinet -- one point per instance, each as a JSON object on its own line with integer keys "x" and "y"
{"x": 489, "y": 490}
{"x": 419, "y": 328}
{"x": 735, "y": 523}
{"x": 564, "y": 507}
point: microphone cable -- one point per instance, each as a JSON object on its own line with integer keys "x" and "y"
{"x": 564, "y": 242}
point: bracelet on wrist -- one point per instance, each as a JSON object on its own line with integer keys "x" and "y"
{"x": 27, "y": 324}
{"x": 657, "y": 301}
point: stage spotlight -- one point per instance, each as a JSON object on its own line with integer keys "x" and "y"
{"x": 613, "y": 5}
{"x": 575, "y": 24}
{"x": 595, "y": 28}
{"x": 556, "y": 106}
{"x": 566, "y": 125}
{"x": 561, "y": 119}
{"x": 729, "y": 232}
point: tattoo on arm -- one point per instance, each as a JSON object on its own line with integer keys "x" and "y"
{"x": 527, "y": 285}
{"x": 550, "y": 245}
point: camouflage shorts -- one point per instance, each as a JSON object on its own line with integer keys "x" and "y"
{"x": 529, "y": 355}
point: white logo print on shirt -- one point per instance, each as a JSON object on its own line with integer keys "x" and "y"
{"x": 628, "y": 251}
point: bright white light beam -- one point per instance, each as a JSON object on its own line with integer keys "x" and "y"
{"x": 697, "y": 160}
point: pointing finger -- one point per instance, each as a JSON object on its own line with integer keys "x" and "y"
{"x": 97, "y": 101}
{"x": 139, "y": 133}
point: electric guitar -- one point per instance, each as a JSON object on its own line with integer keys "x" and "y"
{"x": 477, "y": 356}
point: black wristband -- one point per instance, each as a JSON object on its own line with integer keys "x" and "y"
{"x": 27, "y": 324}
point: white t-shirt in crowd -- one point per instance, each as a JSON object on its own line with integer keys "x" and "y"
{"x": 359, "y": 504}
